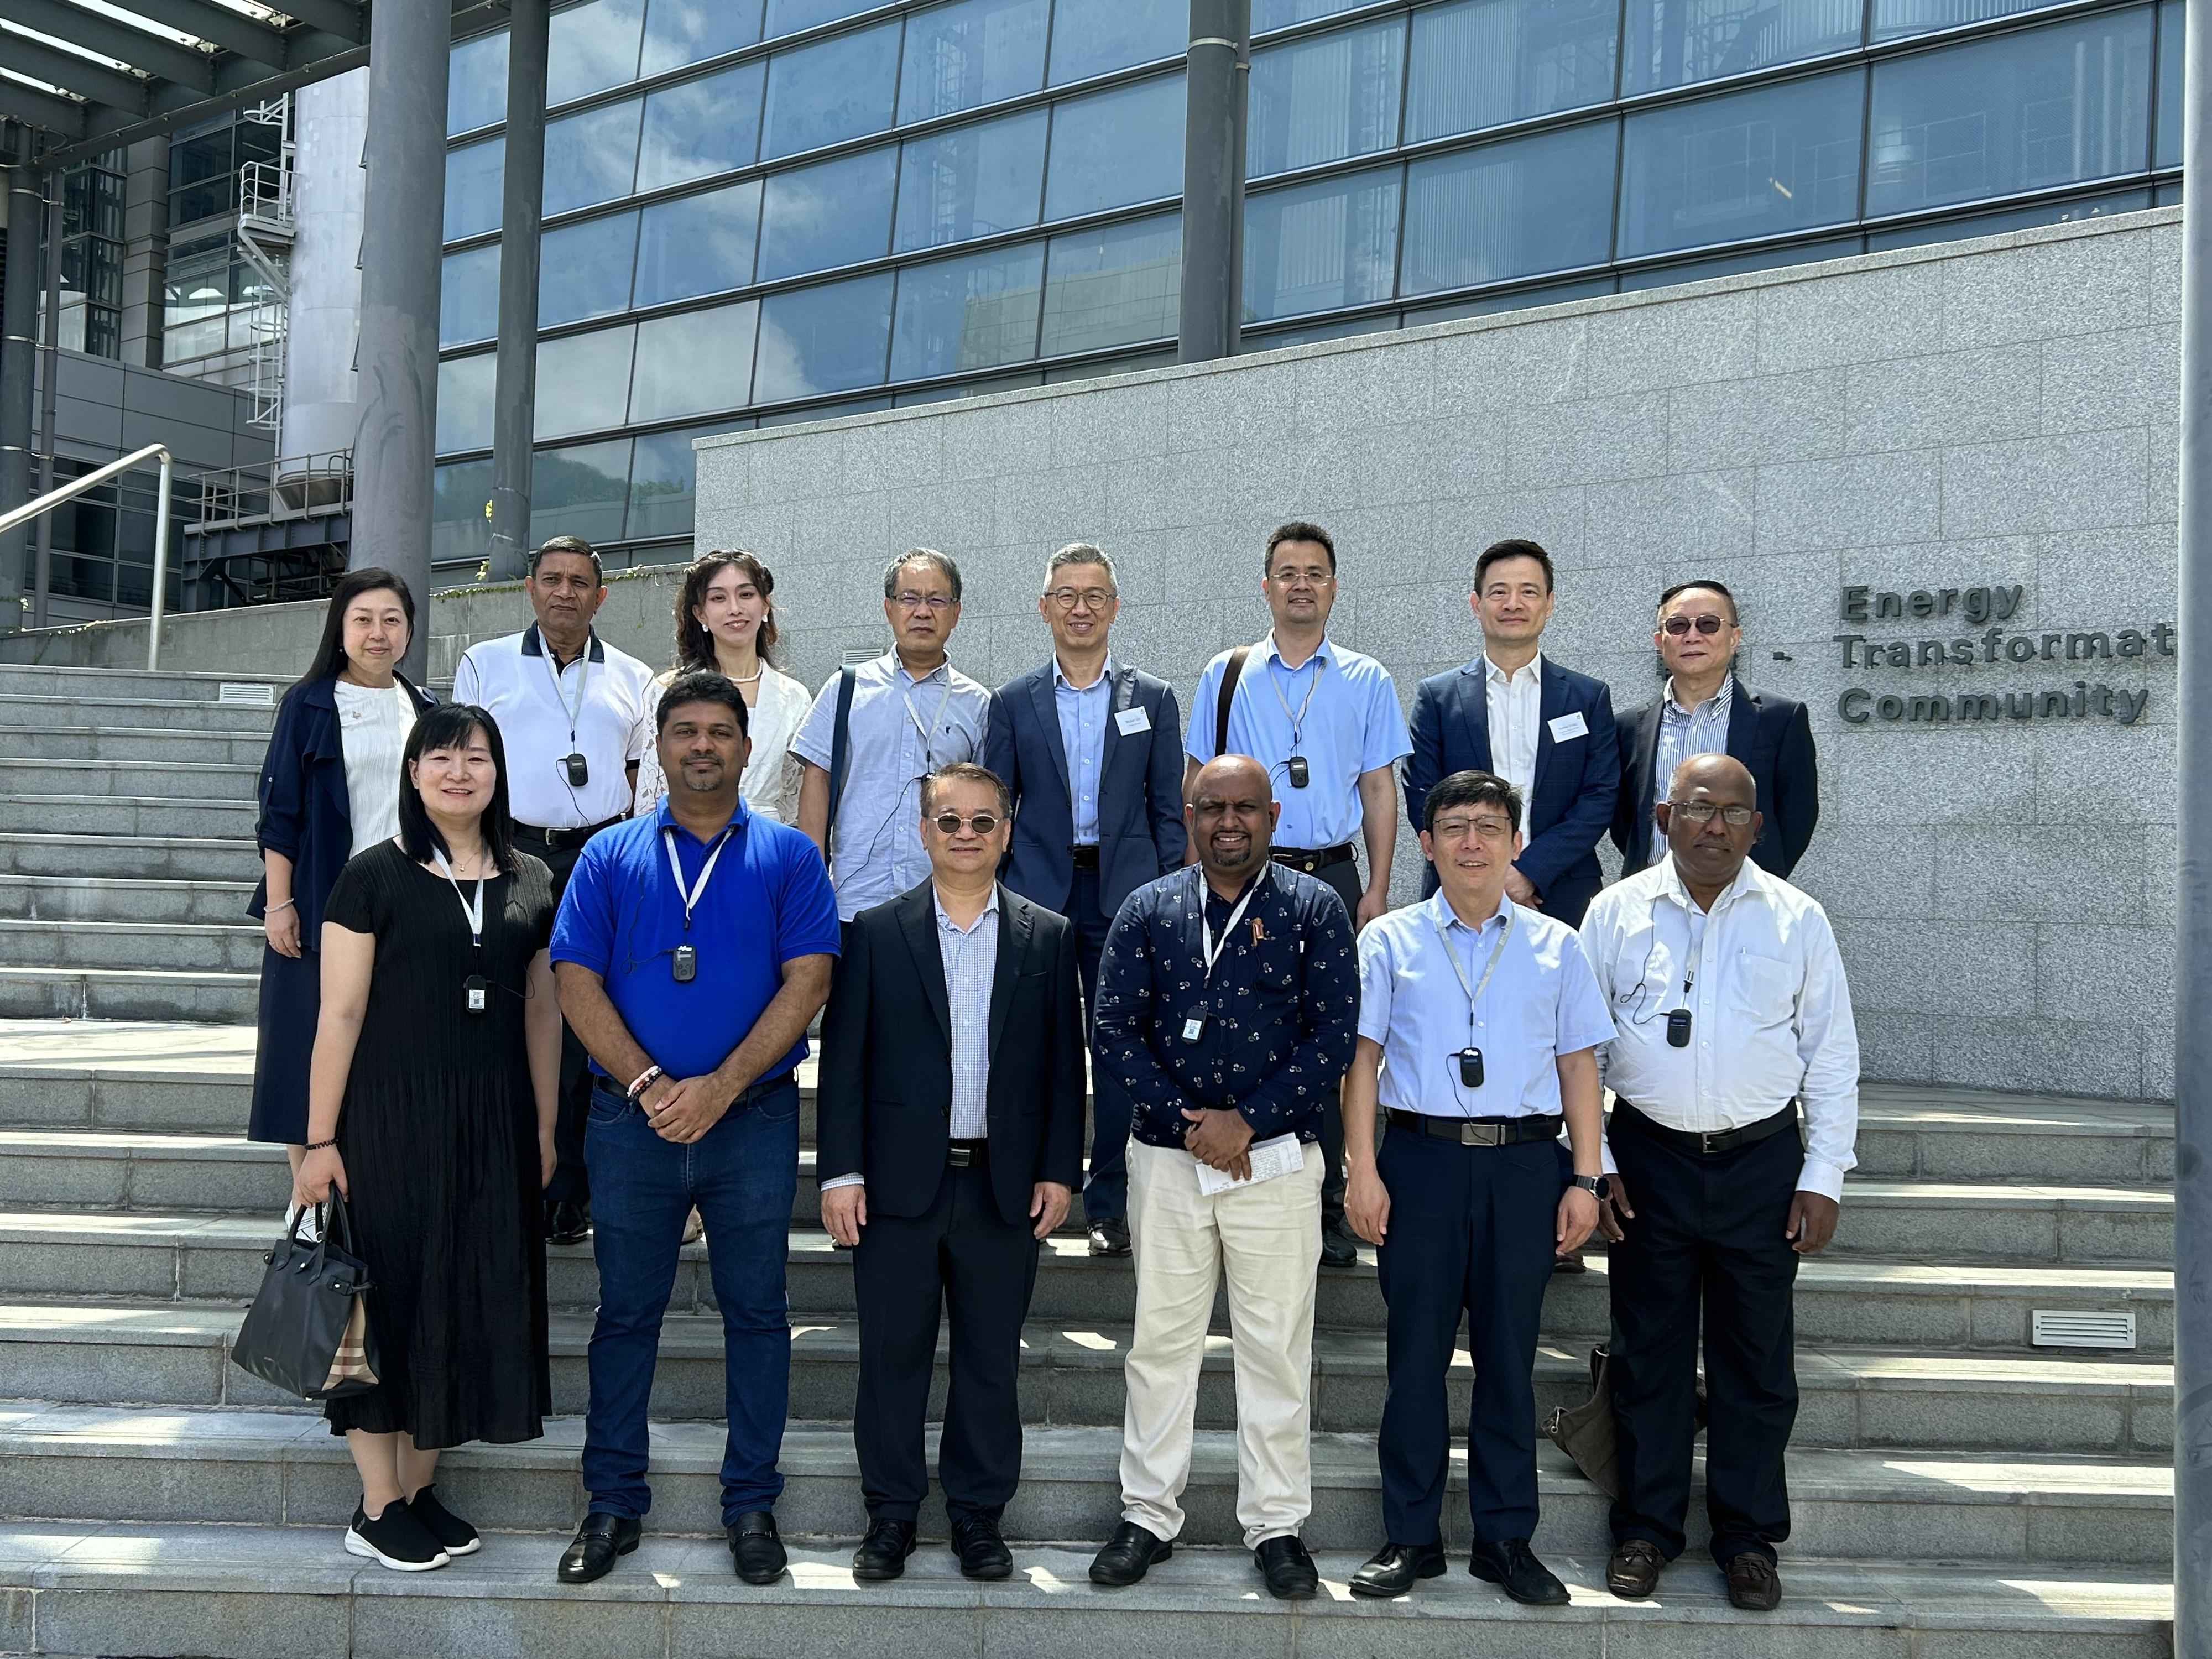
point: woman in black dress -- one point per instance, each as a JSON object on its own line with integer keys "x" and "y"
{"x": 431, "y": 1103}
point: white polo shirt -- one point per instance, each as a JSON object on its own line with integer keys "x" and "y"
{"x": 600, "y": 705}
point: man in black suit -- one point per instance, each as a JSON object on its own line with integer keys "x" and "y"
{"x": 1703, "y": 710}
{"x": 1091, "y": 753}
{"x": 951, "y": 1137}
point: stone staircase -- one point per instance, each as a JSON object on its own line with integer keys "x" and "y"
{"x": 1956, "y": 1492}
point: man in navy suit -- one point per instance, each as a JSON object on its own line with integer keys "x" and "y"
{"x": 1546, "y": 730}
{"x": 1091, "y": 752}
{"x": 1704, "y": 710}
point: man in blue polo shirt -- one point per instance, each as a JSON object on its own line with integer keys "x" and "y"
{"x": 692, "y": 948}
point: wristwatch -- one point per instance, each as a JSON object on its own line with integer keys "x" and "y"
{"x": 1596, "y": 1186}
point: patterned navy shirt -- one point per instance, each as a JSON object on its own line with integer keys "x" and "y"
{"x": 1280, "y": 1012}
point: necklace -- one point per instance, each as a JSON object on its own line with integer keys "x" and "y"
{"x": 752, "y": 679}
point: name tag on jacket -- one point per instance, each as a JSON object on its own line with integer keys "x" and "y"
{"x": 1569, "y": 726}
{"x": 1132, "y": 721}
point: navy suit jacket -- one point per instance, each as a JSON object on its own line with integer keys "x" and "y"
{"x": 1770, "y": 735}
{"x": 1571, "y": 801}
{"x": 1140, "y": 833}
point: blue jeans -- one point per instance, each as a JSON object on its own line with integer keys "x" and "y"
{"x": 741, "y": 1173}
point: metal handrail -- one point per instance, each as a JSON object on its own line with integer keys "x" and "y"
{"x": 75, "y": 487}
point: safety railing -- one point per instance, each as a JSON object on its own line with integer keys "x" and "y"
{"x": 77, "y": 487}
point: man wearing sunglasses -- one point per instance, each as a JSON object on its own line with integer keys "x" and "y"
{"x": 1705, "y": 710}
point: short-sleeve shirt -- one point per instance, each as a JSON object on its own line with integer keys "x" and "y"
{"x": 767, "y": 903}
{"x": 600, "y": 705}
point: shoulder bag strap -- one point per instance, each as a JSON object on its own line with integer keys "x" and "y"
{"x": 1230, "y": 676}
{"x": 840, "y": 744}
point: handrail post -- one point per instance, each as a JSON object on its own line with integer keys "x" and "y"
{"x": 161, "y": 565}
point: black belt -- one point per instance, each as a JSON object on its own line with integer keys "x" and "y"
{"x": 1478, "y": 1131}
{"x": 967, "y": 1154}
{"x": 1299, "y": 858}
{"x": 556, "y": 840}
{"x": 758, "y": 1087}
{"x": 1085, "y": 857}
{"x": 1707, "y": 1146}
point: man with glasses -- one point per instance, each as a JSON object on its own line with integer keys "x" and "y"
{"x": 1730, "y": 1016}
{"x": 878, "y": 728}
{"x": 1479, "y": 1025}
{"x": 1325, "y": 723}
{"x": 1090, "y": 752}
{"x": 1704, "y": 710}
{"x": 950, "y": 1139}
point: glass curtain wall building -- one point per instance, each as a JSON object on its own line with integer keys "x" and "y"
{"x": 760, "y": 210}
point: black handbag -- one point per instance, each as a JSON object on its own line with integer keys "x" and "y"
{"x": 307, "y": 1331}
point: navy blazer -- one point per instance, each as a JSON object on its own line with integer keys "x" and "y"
{"x": 1571, "y": 801}
{"x": 1140, "y": 833}
{"x": 306, "y": 814}
{"x": 1770, "y": 735}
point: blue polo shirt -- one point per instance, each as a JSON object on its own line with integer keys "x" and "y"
{"x": 768, "y": 901}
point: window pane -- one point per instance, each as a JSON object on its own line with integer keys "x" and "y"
{"x": 709, "y": 125}
{"x": 680, "y": 32}
{"x": 2027, "y": 218}
{"x": 579, "y": 491}
{"x": 476, "y": 83}
{"x": 1509, "y": 210}
{"x": 1090, "y": 37}
{"x": 590, "y": 157}
{"x": 1750, "y": 164}
{"x": 822, "y": 339}
{"x": 460, "y": 528}
{"x": 694, "y": 363}
{"x": 834, "y": 213}
{"x": 1114, "y": 147}
{"x": 975, "y": 52}
{"x": 833, "y": 90}
{"x": 1113, "y": 286}
{"x": 789, "y": 17}
{"x": 1320, "y": 246}
{"x": 2046, "y": 107}
{"x": 1892, "y": 18}
{"x": 1281, "y": 14}
{"x": 592, "y": 48}
{"x": 1486, "y": 62}
{"x": 968, "y": 313}
{"x": 583, "y": 381}
{"x": 700, "y": 245}
{"x": 1324, "y": 99}
{"x": 464, "y": 402}
{"x": 467, "y": 296}
{"x": 972, "y": 181}
{"x": 1674, "y": 42}
{"x": 2167, "y": 151}
{"x": 663, "y": 474}
{"x": 584, "y": 269}
{"x": 473, "y": 175}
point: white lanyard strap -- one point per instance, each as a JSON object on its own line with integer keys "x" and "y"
{"x": 1474, "y": 996}
{"x": 583, "y": 684}
{"x": 1297, "y": 721}
{"x": 929, "y": 732}
{"x": 1206, "y": 927}
{"x": 474, "y": 912}
{"x": 706, "y": 870}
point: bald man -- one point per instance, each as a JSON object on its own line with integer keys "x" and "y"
{"x": 1227, "y": 999}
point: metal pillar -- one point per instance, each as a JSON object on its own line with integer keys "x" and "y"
{"x": 19, "y": 304}
{"x": 1214, "y": 180}
{"x": 402, "y": 225}
{"x": 521, "y": 209}
{"x": 42, "y": 582}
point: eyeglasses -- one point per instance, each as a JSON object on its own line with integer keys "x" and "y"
{"x": 924, "y": 601}
{"x": 1091, "y": 599}
{"x": 1488, "y": 828}
{"x": 1292, "y": 578}
{"x": 1701, "y": 812}
{"x": 1709, "y": 623}
{"x": 951, "y": 824}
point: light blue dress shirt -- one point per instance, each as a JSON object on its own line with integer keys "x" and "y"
{"x": 1542, "y": 1002}
{"x": 1083, "y": 740}
{"x": 1684, "y": 732}
{"x": 970, "y": 956}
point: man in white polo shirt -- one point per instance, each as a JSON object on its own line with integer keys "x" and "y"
{"x": 574, "y": 716}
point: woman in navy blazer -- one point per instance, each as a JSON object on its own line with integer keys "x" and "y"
{"x": 310, "y": 809}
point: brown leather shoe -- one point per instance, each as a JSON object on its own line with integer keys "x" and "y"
{"x": 1634, "y": 1572}
{"x": 1753, "y": 1584}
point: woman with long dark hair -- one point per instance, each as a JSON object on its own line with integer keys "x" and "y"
{"x": 329, "y": 788}
{"x": 436, "y": 1077}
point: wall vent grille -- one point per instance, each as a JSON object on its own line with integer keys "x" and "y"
{"x": 2055, "y": 1329}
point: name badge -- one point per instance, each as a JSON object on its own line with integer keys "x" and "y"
{"x": 1132, "y": 721}
{"x": 1568, "y": 725}
{"x": 1194, "y": 1028}
{"x": 473, "y": 988}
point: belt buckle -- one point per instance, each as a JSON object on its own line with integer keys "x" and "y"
{"x": 960, "y": 1158}
{"x": 1481, "y": 1134}
{"x": 1705, "y": 1139}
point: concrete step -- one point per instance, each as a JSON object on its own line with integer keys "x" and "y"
{"x": 127, "y": 743}
{"x": 137, "y": 779}
{"x": 126, "y": 815}
{"x": 127, "y": 994}
{"x": 129, "y": 685}
{"x": 257, "y": 1592}
{"x": 220, "y": 851}
{"x": 120, "y": 899}
{"x": 1974, "y": 1134}
{"x": 49, "y": 708}
{"x": 125, "y": 1074}
{"x": 171, "y": 947}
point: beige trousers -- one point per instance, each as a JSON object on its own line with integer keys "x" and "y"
{"x": 1266, "y": 1240}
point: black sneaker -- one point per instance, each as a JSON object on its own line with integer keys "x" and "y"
{"x": 395, "y": 1538}
{"x": 454, "y": 1536}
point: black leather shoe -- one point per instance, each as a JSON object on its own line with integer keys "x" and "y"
{"x": 1632, "y": 1572}
{"x": 881, "y": 1555}
{"x": 568, "y": 1221}
{"x": 590, "y": 1555}
{"x": 1129, "y": 1554}
{"x": 755, "y": 1550}
{"x": 1753, "y": 1584}
{"x": 1289, "y": 1571}
{"x": 1110, "y": 1236}
{"x": 1338, "y": 1249}
{"x": 1513, "y": 1567}
{"x": 983, "y": 1553}
{"x": 1392, "y": 1569}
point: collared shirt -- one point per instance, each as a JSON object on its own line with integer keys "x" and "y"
{"x": 1352, "y": 726}
{"x": 1542, "y": 1002}
{"x": 900, "y": 729}
{"x": 1515, "y": 704}
{"x": 970, "y": 956}
{"x": 1770, "y": 1013}
{"x": 1277, "y": 1007}
{"x": 1083, "y": 740}
{"x": 1684, "y": 732}
{"x": 768, "y": 902}
{"x": 514, "y": 677}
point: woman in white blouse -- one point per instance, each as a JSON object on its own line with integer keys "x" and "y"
{"x": 724, "y": 621}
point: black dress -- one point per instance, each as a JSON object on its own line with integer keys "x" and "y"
{"x": 439, "y": 1134}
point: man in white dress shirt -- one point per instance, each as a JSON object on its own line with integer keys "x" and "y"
{"x": 1730, "y": 1015}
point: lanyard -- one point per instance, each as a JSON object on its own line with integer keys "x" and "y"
{"x": 583, "y": 684}
{"x": 929, "y": 732}
{"x": 1297, "y": 721}
{"x": 474, "y": 912}
{"x": 1474, "y": 996}
{"x": 1206, "y": 927}
{"x": 706, "y": 870}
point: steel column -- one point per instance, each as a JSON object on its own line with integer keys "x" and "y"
{"x": 19, "y": 306}
{"x": 42, "y": 582}
{"x": 1214, "y": 180}
{"x": 521, "y": 208}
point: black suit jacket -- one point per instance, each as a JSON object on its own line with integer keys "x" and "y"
{"x": 884, "y": 1107}
{"x": 1770, "y": 735}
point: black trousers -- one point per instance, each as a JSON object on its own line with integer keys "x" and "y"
{"x": 569, "y": 1180}
{"x": 1106, "y": 1193}
{"x": 964, "y": 1259}
{"x": 1706, "y": 1239}
{"x": 1344, "y": 877}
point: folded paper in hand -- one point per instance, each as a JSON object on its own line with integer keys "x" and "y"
{"x": 1281, "y": 1157}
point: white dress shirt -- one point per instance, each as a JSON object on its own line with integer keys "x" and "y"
{"x": 1770, "y": 1013}
{"x": 600, "y": 705}
{"x": 374, "y": 723}
{"x": 1516, "y": 705}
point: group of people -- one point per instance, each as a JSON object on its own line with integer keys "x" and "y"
{"x": 580, "y": 1013}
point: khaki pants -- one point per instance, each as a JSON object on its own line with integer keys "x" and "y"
{"x": 1266, "y": 1239}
